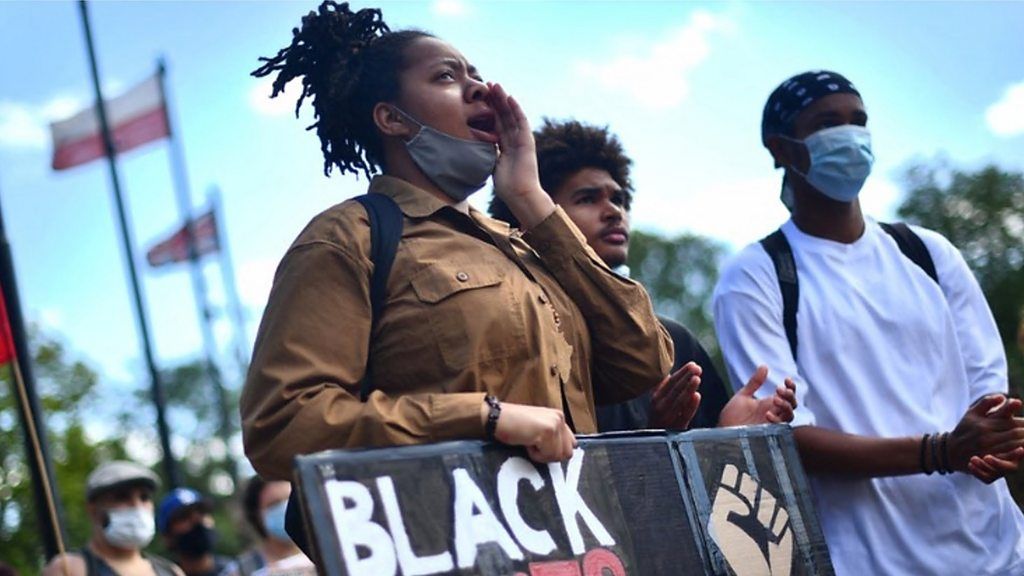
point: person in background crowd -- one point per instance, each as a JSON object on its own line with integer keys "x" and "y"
{"x": 185, "y": 522}
{"x": 119, "y": 503}
{"x": 264, "y": 505}
{"x": 900, "y": 370}
{"x": 586, "y": 172}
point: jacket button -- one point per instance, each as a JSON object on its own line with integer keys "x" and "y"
{"x": 554, "y": 369}
{"x": 462, "y": 276}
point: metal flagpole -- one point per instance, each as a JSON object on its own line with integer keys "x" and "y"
{"x": 227, "y": 271}
{"x": 49, "y": 509}
{"x": 170, "y": 466}
{"x": 183, "y": 196}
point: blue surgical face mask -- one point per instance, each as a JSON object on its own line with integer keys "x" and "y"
{"x": 787, "y": 195}
{"x": 458, "y": 167}
{"x": 273, "y": 521}
{"x": 841, "y": 161}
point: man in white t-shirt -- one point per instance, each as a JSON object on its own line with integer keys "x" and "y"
{"x": 903, "y": 421}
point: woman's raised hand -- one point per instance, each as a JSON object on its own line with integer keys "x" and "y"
{"x": 515, "y": 177}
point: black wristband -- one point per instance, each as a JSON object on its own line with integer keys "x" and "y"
{"x": 935, "y": 454}
{"x": 492, "y": 416}
{"x": 924, "y": 443}
{"x": 944, "y": 451}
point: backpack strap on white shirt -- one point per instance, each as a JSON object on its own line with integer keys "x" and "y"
{"x": 781, "y": 253}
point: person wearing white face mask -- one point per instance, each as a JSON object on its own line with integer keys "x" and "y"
{"x": 264, "y": 503}
{"x": 119, "y": 503}
{"x": 903, "y": 422}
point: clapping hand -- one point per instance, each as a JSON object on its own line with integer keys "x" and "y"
{"x": 675, "y": 400}
{"x": 745, "y": 409}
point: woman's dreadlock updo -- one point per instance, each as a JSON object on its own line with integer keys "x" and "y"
{"x": 348, "y": 61}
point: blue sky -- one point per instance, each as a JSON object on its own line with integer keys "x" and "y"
{"x": 681, "y": 83}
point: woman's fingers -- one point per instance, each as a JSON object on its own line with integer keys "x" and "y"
{"x": 568, "y": 442}
{"x": 507, "y": 113}
{"x": 522, "y": 122}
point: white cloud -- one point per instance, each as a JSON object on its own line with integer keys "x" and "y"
{"x": 1006, "y": 117}
{"x": 24, "y": 125}
{"x": 735, "y": 212}
{"x": 880, "y": 197}
{"x": 449, "y": 8}
{"x": 52, "y": 319}
{"x": 283, "y": 103}
{"x": 741, "y": 211}
{"x": 254, "y": 280}
{"x": 20, "y": 126}
{"x": 659, "y": 78}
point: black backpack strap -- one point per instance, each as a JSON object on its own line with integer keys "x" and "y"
{"x": 161, "y": 565}
{"x": 912, "y": 247}
{"x": 92, "y": 564}
{"x": 385, "y": 232}
{"x": 781, "y": 253}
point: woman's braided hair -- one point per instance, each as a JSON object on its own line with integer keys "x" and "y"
{"x": 348, "y": 61}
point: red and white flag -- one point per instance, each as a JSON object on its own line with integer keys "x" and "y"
{"x": 175, "y": 248}
{"x": 135, "y": 117}
{"x": 6, "y": 339}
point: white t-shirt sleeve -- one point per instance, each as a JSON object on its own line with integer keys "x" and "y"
{"x": 980, "y": 344}
{"x": 747, "y": 307}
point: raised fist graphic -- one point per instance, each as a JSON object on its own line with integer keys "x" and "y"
{"x": 750, "y": 527}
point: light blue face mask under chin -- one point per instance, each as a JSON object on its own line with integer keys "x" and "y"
{"x": 273, "y": 521}
{"x": 458, "y": 167}
{"x": 841, "y": 161}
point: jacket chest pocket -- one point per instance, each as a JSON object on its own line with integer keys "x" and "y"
{"x": 471, "y": 312}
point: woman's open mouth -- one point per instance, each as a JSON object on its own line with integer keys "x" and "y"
{"x": 484, "y": 126}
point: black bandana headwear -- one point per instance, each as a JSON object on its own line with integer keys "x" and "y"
{"x": 795, "y": 95}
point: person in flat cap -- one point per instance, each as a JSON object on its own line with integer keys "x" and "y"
{"x": 119, "y": 502}
{"x": 185, "y": 520}
{"x": 903, "y": 421}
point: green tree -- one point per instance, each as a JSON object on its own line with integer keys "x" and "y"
{"x": 71, "y": 399}
{"x": 66, "y": 391}
{"x": 982, "y": 214}
{"x": 207, "y": 464}
{"x": 679, "y": 273}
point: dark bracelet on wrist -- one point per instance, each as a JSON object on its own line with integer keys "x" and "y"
{"x": 944, "y": 451}
{"x": 924, "y": 444}
{"x": 492, "y": 416}
{"x": 936, "y": 462}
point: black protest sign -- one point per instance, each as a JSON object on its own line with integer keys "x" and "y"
{"x": 753, "y": 503}
{"x": 621, "y": 506}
